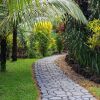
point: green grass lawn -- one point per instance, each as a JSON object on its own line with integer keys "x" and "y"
{"x": 96, "y": 92}
{"x": 17, "y": 83}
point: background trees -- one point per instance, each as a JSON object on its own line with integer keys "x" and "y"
{"x": 26, "y": 10}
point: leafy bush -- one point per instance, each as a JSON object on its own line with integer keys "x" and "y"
{"x": 59, "y": 43}
{"x": 42, "y": 31}
{"x": 52, "y": 46}
{"x": 76, "y": 40}
{"x": 33, "y": 47}
{"x": 94, "y": 40}
{"x": 44, "y": 27}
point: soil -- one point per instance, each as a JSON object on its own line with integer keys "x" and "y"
{"x": 72, "y": 74}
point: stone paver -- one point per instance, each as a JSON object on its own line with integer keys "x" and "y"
{"x": 55, "y": 85}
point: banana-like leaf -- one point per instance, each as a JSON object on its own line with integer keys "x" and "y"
{"x": 70, "y": 7}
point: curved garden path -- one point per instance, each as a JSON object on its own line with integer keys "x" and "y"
{"x": 55, "y": 85}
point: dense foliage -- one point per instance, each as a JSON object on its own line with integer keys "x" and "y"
{"x": 82, "y": 54}
{"x": 44, "y": 40}
{"x": 25, "y": 12}
{"x": 94, "y": 40}
{"x": 83, "y": 42}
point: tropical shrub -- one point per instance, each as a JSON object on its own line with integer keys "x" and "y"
{"x": 52, "y": 49}
{"x": 43, "y": 26}
{"x": 33, "y": 47}
{"x": 59, "y": 43}
{"x": 94, "y": 40}
{"x": 60, "y": 28}
{"x": 42, "y": 30}
{"x": 76, "y": 38}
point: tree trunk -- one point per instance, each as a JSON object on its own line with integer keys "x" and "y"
{"x": 14, "y": 47}
{"x": 3, "y": 54}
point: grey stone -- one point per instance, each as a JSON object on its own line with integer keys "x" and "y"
{"x": 44, "y": 99}
{"x": 55, "y": 98}
{"x": 72, "y": 98}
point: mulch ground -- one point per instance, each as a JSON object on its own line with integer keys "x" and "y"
{"x": 86, "y": 83}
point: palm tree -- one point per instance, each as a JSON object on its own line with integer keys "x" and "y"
{"x": 29, "y": 9}
{"x": 3, "y": 44}
{"x": 14, "y": 46}
{"x": 3, "y": 54}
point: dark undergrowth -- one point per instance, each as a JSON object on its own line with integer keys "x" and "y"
{"x": 82, "y": 70}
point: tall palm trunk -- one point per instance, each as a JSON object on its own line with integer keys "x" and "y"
{"x": 14, "y": 47}
{"x": 3, "y": 54}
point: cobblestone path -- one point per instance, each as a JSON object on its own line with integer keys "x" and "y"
{"x": 55, "y": 85}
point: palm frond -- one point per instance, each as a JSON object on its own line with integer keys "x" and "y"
{"x": 70, "y": 7}
{"x": 28, "y": 10}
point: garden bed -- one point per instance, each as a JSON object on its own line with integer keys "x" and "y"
{"x": 91, "y": 86}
